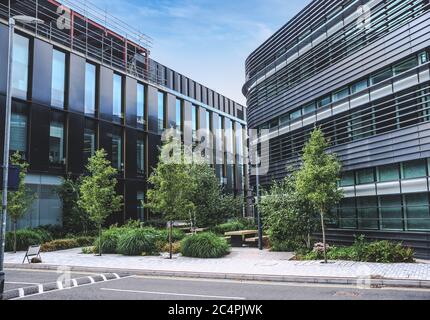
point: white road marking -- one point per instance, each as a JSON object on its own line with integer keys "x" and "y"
{"x": 30, "y": 283}
{"x": 21, "y": 292}
{"x": 175, "y": 294}
{"x": 40, "y": 288}
{"x": 60, "y": 285}
{"x": 91, "y": 279}
{"x": 103, "y": 277}
{"x": 75, "y": 283}
{"x": 116, "y": 275}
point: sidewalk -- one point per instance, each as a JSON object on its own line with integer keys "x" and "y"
{"x": 241, "y": 264}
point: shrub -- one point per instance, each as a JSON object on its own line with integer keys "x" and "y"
{"x": 380, "y": 252}
{"x": 55, "y": 231}
{"x": 176, "y": 246}
{"x": 24, "y": 239}
{"x": 177, "y": 235}
{"x": 57, "y": 245}
{"x": 89, "y": 250}
{"x": 234, "y": 225}
{"x": 204, "y": 245}
{"x": 109, "y": 240}
{"x": 135, "y": 242}
{"x": 85, "y": 241}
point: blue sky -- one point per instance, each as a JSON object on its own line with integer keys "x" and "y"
{"x": 206, "y": 40}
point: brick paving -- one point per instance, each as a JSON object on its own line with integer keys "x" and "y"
{"x": 240, "y": 261}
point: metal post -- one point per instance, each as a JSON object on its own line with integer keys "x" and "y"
{"x": 257, "y": 202}
{"x": 6, "y": 154}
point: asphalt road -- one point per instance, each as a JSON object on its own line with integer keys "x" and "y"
{"x": 157, "y": 288}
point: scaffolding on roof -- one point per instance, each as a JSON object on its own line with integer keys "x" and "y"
{"x": 87, "y": 30}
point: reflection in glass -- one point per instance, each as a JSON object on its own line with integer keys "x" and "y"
{"x": 58, "y": 79}
{"x": 20, "y": 67}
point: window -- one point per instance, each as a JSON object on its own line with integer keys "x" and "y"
{"x": 341, "y": 94}
{"x": 140, "y": 100}
{"x": 388, "y": 173}
{"x": 309, "y": 108}
{"x": 117, "y": 149}
{"x": 347, "y": 179}
{"x": 89, "y": 139}
{"x": 405, "y": 65}
{"x": 324, "y": 102}
{"x": 117, "y": 98}
{"x": 424, "y": 58}
{"x": 56, "y": 141}
{"x": 347, "y": 214}
{"x": 90, "y": 89}
{"x": 140, "y": 155}
{"x": 417, "y": 212}
{"x": 391, "y": 212}
{"x": 367, "y": 209}
{"x": 18, "y": 132}
{"x": 381, "y": 76}
{"x": 178, "y": 112}
{"x": 58, "y": 79}
{"x": 414, "y": 169}
{"x": 20, "y": 62}
{"x": 359, "y": 86}
{"x": 140, "y": 206}
{"x": 161, "y": 99}
{"x": 296, "y": 115}
{"x": 365, "y": 176}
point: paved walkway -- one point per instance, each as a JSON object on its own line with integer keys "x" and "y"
{"x": 240, "y": 262}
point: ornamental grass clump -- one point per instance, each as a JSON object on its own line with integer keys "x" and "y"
{"x": 205, "y": 245}
{"x": 136, "y": 242}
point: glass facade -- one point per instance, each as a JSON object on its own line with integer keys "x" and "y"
{"x": 20, "y": 65}
{"x": 161, "y": 112}
{"x": 57, "y": 141}
{"x": 194, "y": 122}
{"x": 117, "y": 152}
{"x": 18, "y": 132}
{"x": 140, "y": 155}
{"x": 90, "y": 89}
{"x": 90, "y": 140}
{"x": 58, "y": 90}
{"x": 117, "y": 98}
{"x": 140, "y": 206}
{"x": 178, "y": 114}
{"x": 140, "y": 101}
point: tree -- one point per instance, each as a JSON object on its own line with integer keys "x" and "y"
{"x": 19, "y": 201}
{"x": 75, "y": 219}
{"x": 288, "y": 218}
{"x": 172, "y": 186}
{"x": 213, "y": 207}
{"x": 98, "y": 196}
{"x": 318, "y": 177}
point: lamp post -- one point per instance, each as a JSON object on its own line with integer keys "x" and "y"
{"x": 257, "y": 202}
{"x": 12, "y": 20}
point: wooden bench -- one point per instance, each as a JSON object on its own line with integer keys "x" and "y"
{"x": 238, "y": 237}
{"x": 254, "y": 241}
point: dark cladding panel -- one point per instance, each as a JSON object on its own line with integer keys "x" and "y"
{"x": 191, "y": 89}
{"x": 204, "y": 95}
{"x": 77, "y": 84}
{"x": 75, "y": 143}
{"x": 4, "y": 39}
{"x": 42, "y": 73}
{"x": 210, "y": 98}
{"x": 130, "y": 153}
{"x": 216, "y": 100}
{"x": 177, "y": 82}
{"x": 2, "y": 119}
{"x": 39, "y": 138}
{"x": 131, "y": 101}
{"x": 184, "y": 87}
{"x": 169, "y": 79}
{"x": 188, "y": 130}
{"x": 106, "y": 93}
{"x": 152, "y": 109}
{"x": 171, "y": 111}
{"x": 130, "y": 200}
{"x": 198, "y": 93}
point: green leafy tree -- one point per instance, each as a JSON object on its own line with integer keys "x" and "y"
{"x": 172, "y": 186}
{"x": 318, "y": 177}
{"x": 98, "y": 196}
{"x": 212, "y": 205}
{"x": 75, "y": 219}
{"x": 19, "y": 201}
{"x": 288, "y": 218}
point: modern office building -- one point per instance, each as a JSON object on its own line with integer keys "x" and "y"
{"x": 358, "y": 69}
{"x": 83, "y": 81}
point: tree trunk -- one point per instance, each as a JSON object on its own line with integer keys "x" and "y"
{"x": 323, "y": 234}
{"x": 100, "y": 240}
{"x": 170, "y": 239}
{"x": 14, "y": 236}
